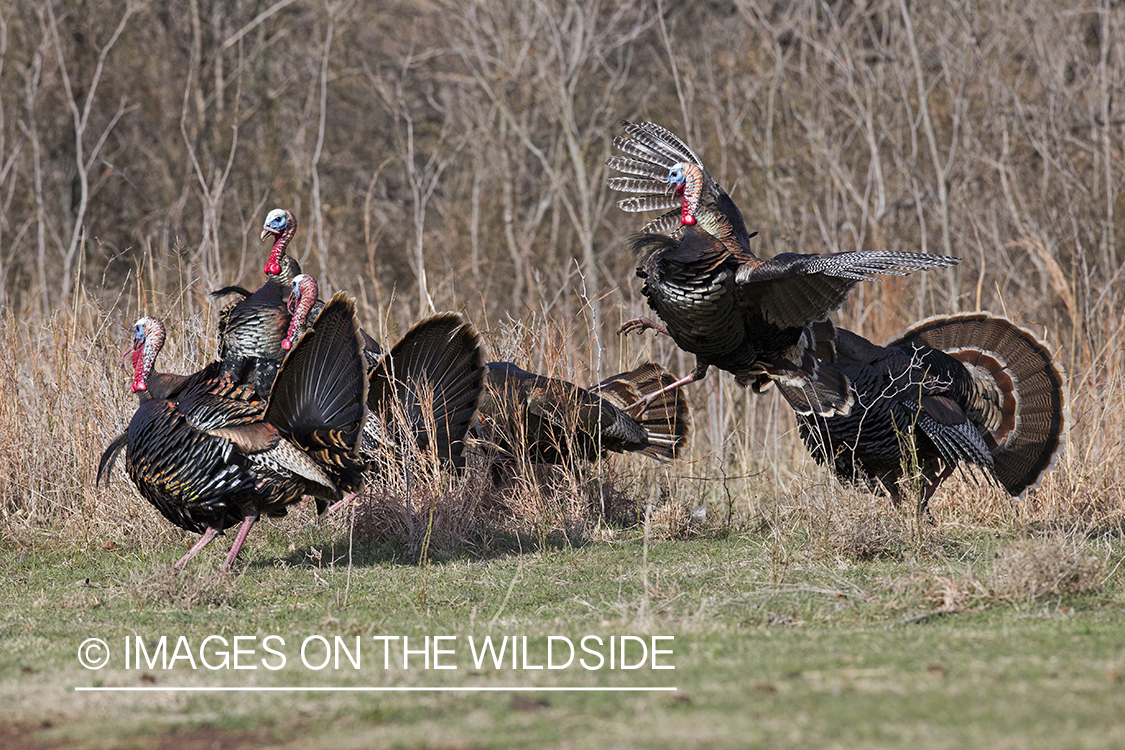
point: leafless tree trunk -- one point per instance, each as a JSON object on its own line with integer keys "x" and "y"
{"x": 212, "y": 181}
{"x": 83, "y": 162}
{"x": 32, "y": 82}
{"x": 953, "y": 272}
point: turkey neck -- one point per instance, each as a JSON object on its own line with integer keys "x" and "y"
{"x": 162, "y": 385}
{"x": 289, "y": 267}
{"x": 717, "y": 215}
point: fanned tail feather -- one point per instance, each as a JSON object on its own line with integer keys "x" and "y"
{"x": 440, "y": 356}
{"x": 1026, "y": 412}
{"x": 319, "y": 397}
{"x": 666, "y": 420}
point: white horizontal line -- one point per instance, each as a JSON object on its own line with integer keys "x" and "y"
{"x": 436, "y": 689}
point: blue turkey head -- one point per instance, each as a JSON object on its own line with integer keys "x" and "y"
{"x": 677, "y": 178}
{"x": 277, "y": 221}
{"x": 280, "y": 224}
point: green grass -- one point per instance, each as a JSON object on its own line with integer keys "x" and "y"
{"x": 774, "y": 645}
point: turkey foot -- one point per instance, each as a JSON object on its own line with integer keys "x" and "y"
{"x": 339, "y": 504}
{"x": 638, "y": 406}
{"x": 639, "y": 325}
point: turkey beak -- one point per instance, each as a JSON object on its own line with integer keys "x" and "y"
{"x": 266, "y": 233}
{"x": 670, "y": 188}
{"x": 129, "y": 352}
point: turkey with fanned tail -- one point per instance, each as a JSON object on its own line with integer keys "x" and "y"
{"x": 970, "y": 389}
{"x": 426, "y": 387}
{"x": 208, "y": 453}
{"x": 524, "y": 416}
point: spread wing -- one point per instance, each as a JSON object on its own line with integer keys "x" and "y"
{"x": 794, "y": 290}
{"x": 230, "y": 410}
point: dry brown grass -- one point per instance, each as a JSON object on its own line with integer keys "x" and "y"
{"x": 870, "y": 534}
{"x": 77, "y": 395}
{"x": 1022, "y": 572}
{"x": 1048, "y": 567}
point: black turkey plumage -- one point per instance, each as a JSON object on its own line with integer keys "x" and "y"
{"x": 251, "y": 331}
{"x": 257, "y": 325}
{"x": 253, "y": 327}
{"x": 753, "y": 319}
{"x": 208, "y": 453}
{"x": 552, "y": 421}
{"x": 434, "y": 378}
{"x": 748, "y": 316}
{"x": 971, "y": 388}
{"x": 427, "y": 387}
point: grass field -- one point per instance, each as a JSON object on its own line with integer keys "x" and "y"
{"x": 964, "y": 637}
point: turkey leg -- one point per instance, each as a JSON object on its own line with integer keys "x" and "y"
{"x": 243, "y": 530}
{"x": 204, "y": 540}
{"x": 698, "y": 373}
{"x": 339, "y": 504}
{"x": 929, "y": 490}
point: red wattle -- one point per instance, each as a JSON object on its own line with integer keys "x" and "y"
{"x": 286, "y": 345}
{"x": 273, "y": 267}
{"x": 687, "y": 219}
